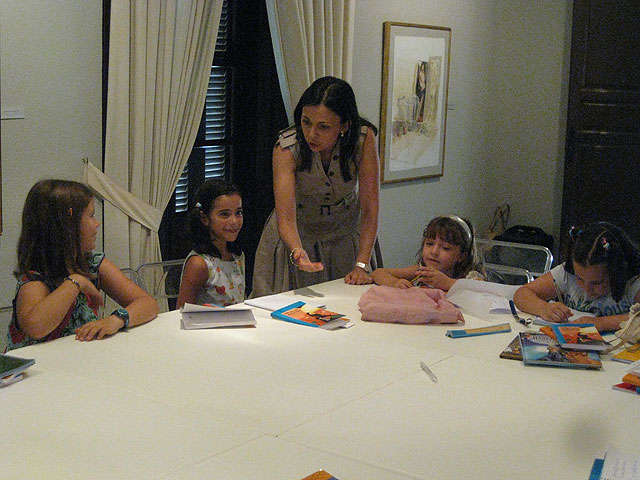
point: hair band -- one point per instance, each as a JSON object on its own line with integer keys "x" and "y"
{"x": 198, "y": 206}
{"x": 464, "y": 226}
{"x": 605, "y": 244}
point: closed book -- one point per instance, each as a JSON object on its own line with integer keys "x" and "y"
{"x": 542, "y": 350}
{"x": 513, "y": 350}
{"x": 627, "y": 387}
{"x": 12, "y": 368}
{"x": 211, "y": 316}
{"x": 628, "y": 355}
{"x": 580, "y": 336}
{"x": 304, "y": 314}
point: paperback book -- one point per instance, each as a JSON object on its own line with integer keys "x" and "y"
{"x": 628, "y": 355}
{"x": 304, "y": 314}
{"x": 320, "y": 475}
{"x": 580, "y": 336}
{"x": 627, "y": 387}
{"x": 540, "y": 349}
{"x": 513, "y": 350}
{"x": 211, "y": 316}
{"x": 12, "y": 368}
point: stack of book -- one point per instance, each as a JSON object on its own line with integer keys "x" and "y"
{"x": 560, "y": 345}
{"x": 631, "y": 380}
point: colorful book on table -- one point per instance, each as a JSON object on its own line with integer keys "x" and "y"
{"x": 579, "y": 336}
{"x": 304, "y": 314}
{"x": 320, "y": 475}
{"x": 540, "y": 349}
{"x": 513, "y": 350}
{"x": 628, "y": 355}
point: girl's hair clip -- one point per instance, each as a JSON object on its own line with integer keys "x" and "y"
{"x": 199, "y": 206}
{"x": 605, "y": 244}
{"x": 574, "y": 232}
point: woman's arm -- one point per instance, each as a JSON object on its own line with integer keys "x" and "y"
{"x": 368, "y": 186}
{"x": 141, "y": 306}
{"x": 39, "y": 311}
{"x": 194, "y": 278}
{"x": 533, "y": 298}
{"x": 284, "y": 188}
{"x": 395, "y": 277}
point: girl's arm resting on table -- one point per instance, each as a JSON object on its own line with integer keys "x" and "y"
{"x": 194, "y": 278}
{"x": 394, "y": 277}
{"x": 39, "y": 310}
{"x": 368, "y": 186}
{"x": 284, "y": 188}
{"x": 609, "y": 323}
{"x": 533, "y": 298}
{"x": 141, "y": 306}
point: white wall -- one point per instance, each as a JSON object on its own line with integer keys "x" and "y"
{"x": 505, "y": 137}
{"x": 51, "y": 65}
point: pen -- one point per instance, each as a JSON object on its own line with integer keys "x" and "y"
{"x": 558, "y": 292}
{"x": 428, "y": 371}
{"x": 514, "y": 312}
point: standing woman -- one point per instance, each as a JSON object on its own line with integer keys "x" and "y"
{"x": 325, "y": 180}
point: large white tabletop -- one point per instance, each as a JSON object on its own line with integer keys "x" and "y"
{"x": 283, "y": 400}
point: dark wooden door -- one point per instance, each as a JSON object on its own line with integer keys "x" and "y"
{"x": 602, "y": 158}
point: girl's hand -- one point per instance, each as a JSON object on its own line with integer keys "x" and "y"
{"x": 402, "y": 283}
{"x": 556, "y": 312}
{"x": 94, "y": 297}
{"x": 434, "y": 278}
{"x": 358, "y": 276}
{"x": 98, "y": 329}
{"x": 304, "y": 263}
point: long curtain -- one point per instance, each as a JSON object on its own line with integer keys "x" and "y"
{"x": 312, "y": 38}
{"x": 160, "y": 57}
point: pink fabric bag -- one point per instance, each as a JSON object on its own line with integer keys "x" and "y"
{"x": 411, "y": 305}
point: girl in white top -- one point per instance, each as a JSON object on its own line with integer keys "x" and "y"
{"x": 600, "y": 276}
{"x": 447, "y": 253}
{"x": 214, "y": 270}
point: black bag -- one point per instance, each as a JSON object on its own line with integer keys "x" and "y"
{"x": 525, "y": 234}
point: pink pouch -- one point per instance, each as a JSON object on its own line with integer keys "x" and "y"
{"x": 411, "y": 305}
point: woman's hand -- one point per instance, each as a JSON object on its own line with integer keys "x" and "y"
{"x": 358, "y": 276}
{"x": 303, "y": 262}
{"x": 98, "y": 329}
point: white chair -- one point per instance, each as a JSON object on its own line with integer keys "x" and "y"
{"x": 534, "y": 258}
{"x": 161, "y": 279}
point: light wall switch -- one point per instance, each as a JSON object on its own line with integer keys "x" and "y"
{"x": 12, "y": 112}
{"x": 451, "y": 106}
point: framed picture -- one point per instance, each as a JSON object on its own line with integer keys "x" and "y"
{"x": 415, "y": 79}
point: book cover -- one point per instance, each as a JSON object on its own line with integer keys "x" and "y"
{"x": 12, "y": 368}
{"x": 320, "y": 475}
{"x": 627, "y": 387}
{"x": 212, "y": 316}
{"x": 513, "y": 350}
{"x": 583, "y": 336}
{"x": 304, "y": 314}
{"x": 540, "y": 349}
{"x": 628, "y": 355}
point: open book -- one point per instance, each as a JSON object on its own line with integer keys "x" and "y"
{"x": 212, "y": 316}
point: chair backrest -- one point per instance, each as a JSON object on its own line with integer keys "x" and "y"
{"x": 507, "y": 275}
{"x": 534, "y": 258}
{"x": 161, "y": 279}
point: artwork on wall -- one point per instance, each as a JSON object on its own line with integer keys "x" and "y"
{"x": 413, "y": 112}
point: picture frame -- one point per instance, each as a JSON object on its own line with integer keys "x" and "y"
{"x": 413, "y": 110}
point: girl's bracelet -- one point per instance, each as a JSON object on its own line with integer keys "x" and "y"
{"x": 293, "y": 262}
{"x": 75, "y": 282}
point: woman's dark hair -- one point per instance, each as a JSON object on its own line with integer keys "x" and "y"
{"x": 205, "y": 198}
{"x": 604, "y": 243}
{"x": 450, "y": 229}
{"x": 50, "y": 241}
{"x": 337, "y": 95}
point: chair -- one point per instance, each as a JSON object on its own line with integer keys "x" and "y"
{"x": 507, "y": 275}
{"x": 162, "y": 279}
{"x": 534, "y": 258}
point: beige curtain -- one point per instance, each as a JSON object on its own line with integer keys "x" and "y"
{"x": 311, "y": 38}
{"x": 160, "y": 57}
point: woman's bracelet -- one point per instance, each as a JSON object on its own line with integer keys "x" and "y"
{"x": 74, "y": 281}
{"x": 293, "y": 262}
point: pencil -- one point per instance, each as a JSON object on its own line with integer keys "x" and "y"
{"x": 558, "y": 292}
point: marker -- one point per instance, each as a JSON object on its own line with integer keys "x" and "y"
{"x": 428, "y": 371}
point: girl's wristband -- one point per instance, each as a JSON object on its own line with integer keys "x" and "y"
{"x": 293, "y": 262}
{"x": 75, "y": 282}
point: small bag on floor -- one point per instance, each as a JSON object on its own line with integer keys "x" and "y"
{"x": 412, "y": 305}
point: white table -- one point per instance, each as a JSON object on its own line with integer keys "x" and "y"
{"x": 283, "y": 400}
